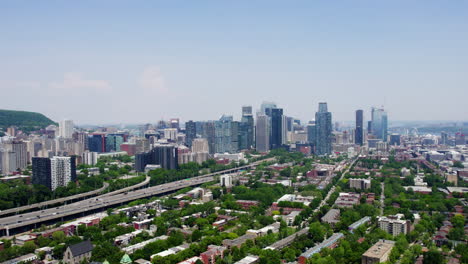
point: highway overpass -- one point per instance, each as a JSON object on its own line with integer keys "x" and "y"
{"x": 22, "y": 222}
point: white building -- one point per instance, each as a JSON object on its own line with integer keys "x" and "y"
{"x": 306, "y": 200}
{"x": 7, "y": 162}
{"x": 170, "y": 134}
{"x": 248, "y": 260}
{"x": 231, "y": 157}
{"x": 200, "y": 145}
{"x": 90, "y": 158}
{"x": 66, "y": 128}
{"x": 225, "y": 180}
{"x": 62, "y": 171}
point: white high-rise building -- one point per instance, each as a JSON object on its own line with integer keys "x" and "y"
{"x": 66, "y": 128}
{"x": 62, "y": 171}
{"x": 200, "y": 145}
{"x": 170, "y": 133}
{"x": 7, "y": 162}
{"x": 21, "y": 154}
{"x": 90, "y": 158}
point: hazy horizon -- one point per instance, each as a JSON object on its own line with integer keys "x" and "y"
{"x": 125, "y": 62}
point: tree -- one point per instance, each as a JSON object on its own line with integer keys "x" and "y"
{"x": 458, "y": 164}
{"x": 456, "y": 233}
{"x": 28, "y": 247}
{"x": 317, "y": 231}
{"x": 42, "y": 241}
{"x": 458, "y": 221}
{"x": 433, "y": 257}
{"x": 289, "y": 254}
{"x": 41, "y": 255}
{"x": 196, "y": 235}
{"x": 59, "y": 236}
{"x": 58, "y": 251}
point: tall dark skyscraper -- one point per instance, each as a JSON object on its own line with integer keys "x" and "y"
{"x": 208, "y": 132}
{"x": 190, "y": 132}
{"x": 41, "y": 172}
{"x": 323, "y": 123}
{"x": 164, "y": 154}
{"x": 359, "y": 133}
{"x": 97, "y": 143}
{"x": 235, "y": 128}
{"x": 276, "y": 128}
{"x": 246, "y": 128}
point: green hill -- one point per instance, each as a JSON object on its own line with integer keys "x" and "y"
{"x": 26, "y": 121}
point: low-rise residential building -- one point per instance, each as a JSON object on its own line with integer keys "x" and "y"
{"x": 274, "y": 228}
{"x": 246, "y": 204}
{"x": 237, "y": 242}
{"x": 330, "y": 242}
{"x": 142, "y": 261}
{"x": 209, "y": 256}
{"x": 419, "y": 189}
{"x": 131, "y": 249}
{"x": 170, "y": 251}
{"x": 378, "y": 253}
{"x": 20, "y": 240}
{"x": 347, "y": 199}
{"x": 306, "y": 200}
{"x": 331, "y": 217}
{"x": 192, "y": 260}
{"x": 22, "y": 259}
{"x": 440, "y": 237}
{"x": 359, "y": 223}
{"x": 248, "y": 260}
{"x": 289, "y": 219}
{"x": 124, "y": 239}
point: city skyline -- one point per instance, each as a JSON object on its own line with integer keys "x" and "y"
{"x": 128, "y": 63}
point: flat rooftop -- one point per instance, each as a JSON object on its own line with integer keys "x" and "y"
{"x": 379, "y": 249}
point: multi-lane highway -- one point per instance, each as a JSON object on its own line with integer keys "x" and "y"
{"x": 55, "y": 201}
{"x": 73, "y": 198}
{"x": 16, "y": 222}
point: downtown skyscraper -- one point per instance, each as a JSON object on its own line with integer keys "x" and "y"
{"x": 246, "y": 129}
{"x": 262, "y": 134}
{"x": 190, "y": 132}
{"x": 66, "y": 128}
{"x": 276, "y": 128}
{"x": 323, "y": 126}
{"x": 359, "y": 132}
{"x": 379, "y": 124}
{"x": 226, "y": 135}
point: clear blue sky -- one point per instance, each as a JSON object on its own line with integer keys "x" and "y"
{"x": 140, "y": 61}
